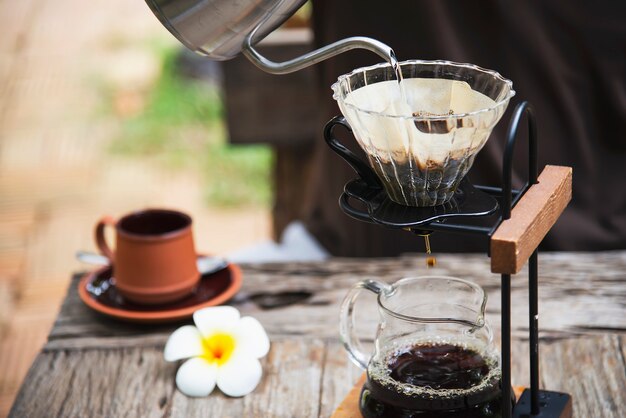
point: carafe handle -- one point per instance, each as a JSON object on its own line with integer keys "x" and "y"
{"x": 361, "y": 167}
{"x": 350, "y": 340}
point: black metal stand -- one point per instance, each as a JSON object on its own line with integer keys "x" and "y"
{"x": 474, "y": 210}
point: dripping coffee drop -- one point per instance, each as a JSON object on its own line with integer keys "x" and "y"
{"x": 431, "y": 261}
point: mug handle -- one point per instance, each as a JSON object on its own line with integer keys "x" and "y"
{"x": 363, "y": 169}
{"x": 350, "y": 340}
{"x": 101, "y": 240}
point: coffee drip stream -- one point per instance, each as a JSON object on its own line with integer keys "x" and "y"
{"x": 431, "y": 261}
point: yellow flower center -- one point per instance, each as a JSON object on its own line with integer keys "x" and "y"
{"x": 218, "y": 348}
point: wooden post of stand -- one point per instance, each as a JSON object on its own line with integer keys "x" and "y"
{"x": 531, "y": 219}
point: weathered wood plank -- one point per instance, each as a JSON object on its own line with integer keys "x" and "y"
{"x": 592, "y": 370}
{"x": 97, "y": 383}
{"x": 580, "y": 293}
{"x": 340, "y": 374}
{"x": 531, "y": 219}
{"x": 86, "y": 351}
{"x": 137, "y": 382}
{"x": 303, "y": 377}
{"x": 349, "y": 407}
{"x": 292, "y": 384}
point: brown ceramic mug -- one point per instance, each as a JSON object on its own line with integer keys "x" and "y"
{"x": 154, "y": 259}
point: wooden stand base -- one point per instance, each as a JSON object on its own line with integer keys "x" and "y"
{"x": 349, "y": 407}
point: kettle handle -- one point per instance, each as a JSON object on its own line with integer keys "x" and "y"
{"x": 350, "y": 340}
{"x": 361, "y": 167}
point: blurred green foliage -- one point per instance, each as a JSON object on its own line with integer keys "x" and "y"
{"x": 181, "y": 125}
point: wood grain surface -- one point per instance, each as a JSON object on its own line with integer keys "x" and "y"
{"x": 94, "y": 366}
{"x": 531, "y": 219}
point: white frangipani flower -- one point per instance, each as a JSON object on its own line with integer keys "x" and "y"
{"x": 222, "y": 349}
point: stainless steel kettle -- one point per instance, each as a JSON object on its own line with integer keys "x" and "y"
{"x": 221, "y": 29}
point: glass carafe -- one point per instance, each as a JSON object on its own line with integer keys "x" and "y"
{"x": 433, "y": 354}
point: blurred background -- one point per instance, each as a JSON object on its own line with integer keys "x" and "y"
{"x": 101, "y": 112}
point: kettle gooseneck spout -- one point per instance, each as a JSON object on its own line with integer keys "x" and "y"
{"x": 316, "y": 56}
{"x": 313, "y": 57}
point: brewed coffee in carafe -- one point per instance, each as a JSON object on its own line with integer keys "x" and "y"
{"x": 433, "y": 380}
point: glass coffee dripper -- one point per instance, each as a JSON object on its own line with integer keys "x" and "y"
{"x": 433, "y": 354}
{"x": 421, "y": 135}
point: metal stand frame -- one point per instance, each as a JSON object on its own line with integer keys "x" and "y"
{"x": 534, "y": 402}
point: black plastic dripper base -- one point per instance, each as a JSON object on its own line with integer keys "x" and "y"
{"x": 467, "y": 202}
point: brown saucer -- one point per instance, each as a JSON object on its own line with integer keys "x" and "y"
{"x": 97, "y": 290}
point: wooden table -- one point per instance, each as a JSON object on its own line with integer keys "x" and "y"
{"x": 96, "y": 367}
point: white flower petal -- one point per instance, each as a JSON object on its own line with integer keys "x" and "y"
{"x": 215, "y": 319}
{"x": 196, "y": 377}
{"x": 252, "y": 340}
{"x": 239, "y": 376}
{"x": 185, "y": 342}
